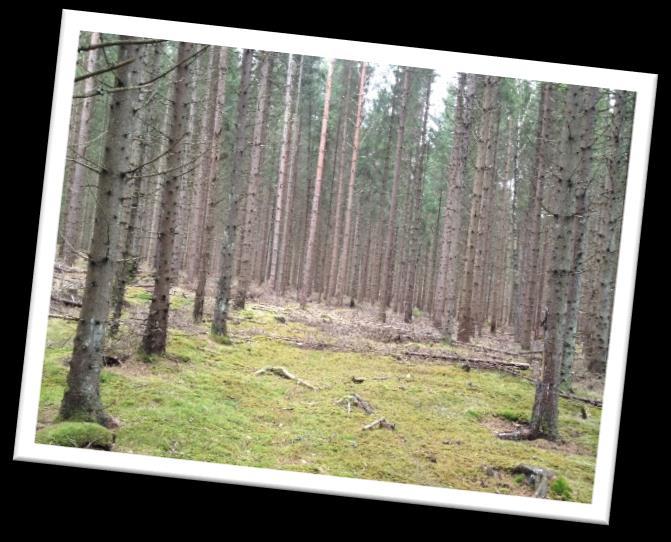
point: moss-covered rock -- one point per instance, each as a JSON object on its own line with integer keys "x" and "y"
{"x": 76, "y": 435}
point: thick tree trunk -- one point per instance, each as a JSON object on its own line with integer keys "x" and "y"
{"x": 545, "y": 410}
{"x": 81, "y": 400}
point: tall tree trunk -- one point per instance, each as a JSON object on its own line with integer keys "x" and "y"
{"x": 531, "y": 271}
{"x": 335, "y": 232}
{"x": 282, "y": 174}
{"x": 218, "y": 93}
{"x": 545, "y": 410}
{"x": 418, "y": 180}
{"x": 614, "y": 185}
{"x": 127, "y": 267}
{"x": 282, "y": 264}
{"x": 224, "y": 283}
{"x": 588, "y": 115}
{"x": 387, "y": 260}
{"x": 156, "y": 331}
{"x": 453, "y": 206}
{"x": 81, "y": 400}
{"x": 344, "y": 255}
{"x": 467, "y": 323}
{"x": 314, "y": 211}
{"x": 73, "y": 224}
{"x": 251, "y": 203}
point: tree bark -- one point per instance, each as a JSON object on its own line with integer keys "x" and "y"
{"x": 156, "y": 331}
{"x": 81, "y": 400}
{"x": 306, "y": 285}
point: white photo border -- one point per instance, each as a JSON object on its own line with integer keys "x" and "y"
{"x": 73, "y": 22}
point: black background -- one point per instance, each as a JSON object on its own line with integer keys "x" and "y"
{"x": 66, "y": 499}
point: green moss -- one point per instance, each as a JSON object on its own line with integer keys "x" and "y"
{"x": 513, "y": 416}
{"x": 221, "y": 339}
{"x": 215, "y": 409}
{"x": 560, "y": 489}
{"x": 76, "y": 435}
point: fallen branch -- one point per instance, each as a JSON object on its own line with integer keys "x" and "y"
{"x": 70, "y": 302}
{"x": 593, "y": 402}
{"x": 357, "y": 401}
{"x": 64, "y": 317}
{"x": 379, "y": 424}
{"x": 497, "y": 351}
{"x": 282, "y": 372}
{"x": 474, "y": 361}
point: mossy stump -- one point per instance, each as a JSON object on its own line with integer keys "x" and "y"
{"x": 76, "y": 435}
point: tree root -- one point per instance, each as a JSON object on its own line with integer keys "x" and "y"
{"x": 357, "y": 401}
{"x": 379, "y": 424}
{"x": 282, "y": 372}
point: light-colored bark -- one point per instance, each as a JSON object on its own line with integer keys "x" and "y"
{"x": 306, "y": 283}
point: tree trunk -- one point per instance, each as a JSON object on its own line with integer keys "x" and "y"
{"x": 156, "y": 331}
{"x": 81, "y": 400}
{"x": 251, "y": 204}
{"x": 344, "y": 255}
{"x": 387, "y": 260}
{"x": 224, "y": 283}
{"x": 218, "y": 93}
{"x": 73, "y": 224}
{"x": 545, "y": 410}
{"x": 306, "y": 285}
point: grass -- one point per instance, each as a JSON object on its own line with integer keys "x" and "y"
{"x": 203, "y": 402}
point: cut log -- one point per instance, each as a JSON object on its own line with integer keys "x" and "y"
{"x": 358, "y": 379}
{"x": 381, "y": 423}
{"x": 282, "y": 372}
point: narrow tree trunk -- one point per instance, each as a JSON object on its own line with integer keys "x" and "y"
{"x": 344, "y": 255}
{"x": 73, "y": 224}
{"x": 156, "y": 331}
{"x": 387, "y": 260}
{"x": 282, "y": 174}
{"x": 218, "y": 93}
{"x": 224, "y": 283}
{"x": 413, "y": 249}
{"x": 314, "y": 211}
{"x": 251, "y": 204}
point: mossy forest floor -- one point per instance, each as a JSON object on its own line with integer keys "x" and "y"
{"x": 203, "y": 401}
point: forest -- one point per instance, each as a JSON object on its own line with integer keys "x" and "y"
{"x": 336, "y": 267}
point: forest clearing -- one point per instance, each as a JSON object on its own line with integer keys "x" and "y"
{"x": 335, "y": 267}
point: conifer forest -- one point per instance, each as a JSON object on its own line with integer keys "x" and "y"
{"x": 335, "y": 267}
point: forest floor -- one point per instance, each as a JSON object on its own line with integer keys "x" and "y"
{"x": 204, "y": 401}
